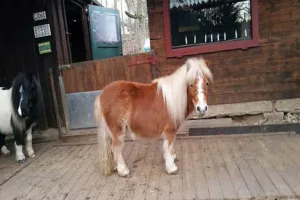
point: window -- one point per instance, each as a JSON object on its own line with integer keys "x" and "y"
{"x": 105, "y": 27}
{"x": 202, "y": 26}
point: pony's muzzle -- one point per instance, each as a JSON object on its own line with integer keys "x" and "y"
{"x": 24, "y": 112}
{"x": 201, "y": 109}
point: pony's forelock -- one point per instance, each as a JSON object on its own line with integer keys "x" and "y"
{"x": 174, "y": 86}
{"x": 197, "y": 67}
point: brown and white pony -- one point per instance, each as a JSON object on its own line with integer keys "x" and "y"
{"x": 149, "y": 111}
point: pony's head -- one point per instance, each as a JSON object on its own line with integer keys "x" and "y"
{"x": 194, "y": 76}
{"x": 198, "y": 78}
{"x": 25, "y": 94}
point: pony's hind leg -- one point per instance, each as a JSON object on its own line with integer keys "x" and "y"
{"x": 3, "y": 148}
{"x": 29, "y": 148}
{"x": 169, "y": 154}
{"x": 117, "y": 148}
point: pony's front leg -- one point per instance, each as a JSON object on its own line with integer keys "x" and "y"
{"x": 20, "y": 157}
{"x": 117, "y": 148}
{"x": 19, "y": 142}
{"x": 169, "y": 154}
{"x": 29, "y": 148}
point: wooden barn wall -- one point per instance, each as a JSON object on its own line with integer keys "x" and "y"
{"x": 19, "y": 52}
{"x": 268, "y": 72}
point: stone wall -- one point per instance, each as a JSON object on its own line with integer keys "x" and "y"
{"x": 256, "y": 113}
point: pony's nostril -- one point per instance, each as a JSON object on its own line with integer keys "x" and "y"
{"x": 198, "y": 108}
{"x": 205, "y": 108}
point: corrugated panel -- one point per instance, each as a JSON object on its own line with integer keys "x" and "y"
{"x": 81, "y": 109}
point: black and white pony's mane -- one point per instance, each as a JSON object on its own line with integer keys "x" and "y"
{"x": 18, "y": 84}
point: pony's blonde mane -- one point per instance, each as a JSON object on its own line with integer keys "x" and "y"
{"x": 174, "y": 86}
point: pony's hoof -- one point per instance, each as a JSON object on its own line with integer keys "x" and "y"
{"x": 7, "y": 155}
{"x": 172, "y": 170}
{"x": 21, "y": 161}
{"x": 125, "y": 173}
{"x": 175, "y": 157}
{"x": 31, "y": 154}
{"x": 5, "y": 151}
{"x": 20, "y": 158}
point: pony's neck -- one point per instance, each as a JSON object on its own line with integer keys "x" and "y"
{"x": 173, "y": 88}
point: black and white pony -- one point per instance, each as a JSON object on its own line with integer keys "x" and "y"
{"x": 19, "y": 110}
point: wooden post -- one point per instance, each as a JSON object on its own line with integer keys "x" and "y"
{"x": 64, "y": 104}
{"x": 55, "y": 103}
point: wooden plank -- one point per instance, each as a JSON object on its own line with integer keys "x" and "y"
{"x": 141, "y": 186}
{"x": 115, "y": 185}
{"x": 270, "y": 154}
{"x": 40, "y": 184}
{"x": 224, "y": 178}
{"x": 25, "y": 177}
{"x": 201, "y": 187}
{"x": 72, "y": 167}
{"x": 136, "y": 165}
{"x": 176, "y": 180}
{"x": 247, "y": 173}
{"x": 267, "y": 167}
{"x": 84, "y": 177}
{"x": 154, "y": 180}
{"x": 293, "y": 143}
{"x": 9, "y": 167}
{"x": 215, "y": 191}
{"x": 270, "y": 181}
{"x": 187, "y": 172}
{"x": 69, "y": 191}
{"x": 283, "y": 155}
{"x": 233, "y": 170}
{"x": 287, "y": 150}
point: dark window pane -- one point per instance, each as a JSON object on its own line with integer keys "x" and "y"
{"x": 200, "y": 22}
{"x": 105, "y": 27}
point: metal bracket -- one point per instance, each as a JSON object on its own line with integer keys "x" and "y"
{"x": 139, "y": 62}
{"x": 152, "y": 61}
{"x": 64, "y": 67}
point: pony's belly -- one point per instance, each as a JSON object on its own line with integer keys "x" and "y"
{"x": 5, "y": 117}
{"x": 5, "y": 127}
{"x": 145, "y": 132}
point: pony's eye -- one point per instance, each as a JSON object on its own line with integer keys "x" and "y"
{"x": 191, "y": 85}
{"x": 207, "y": 84}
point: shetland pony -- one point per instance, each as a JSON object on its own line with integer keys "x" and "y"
{"x": 19, "y": 109}
{"x": 149, "y": 111}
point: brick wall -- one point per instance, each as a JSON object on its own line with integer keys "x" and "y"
{"x": 268, "y": 72}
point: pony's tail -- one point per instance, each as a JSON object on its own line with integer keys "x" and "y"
{"x": 104, "y": 140}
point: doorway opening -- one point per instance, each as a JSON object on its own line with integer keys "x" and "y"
{"x": 77, "y": 30}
